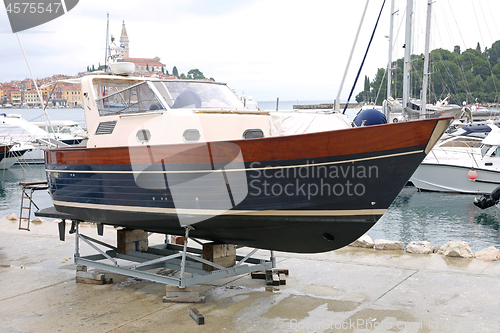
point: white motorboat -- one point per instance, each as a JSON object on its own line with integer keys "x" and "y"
{"x": 67, "y": 131}
{"x": 461, "y": 164}
{"x": 26, "y": 137}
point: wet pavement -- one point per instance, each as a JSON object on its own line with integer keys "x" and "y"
{"x": 348, "y": 290}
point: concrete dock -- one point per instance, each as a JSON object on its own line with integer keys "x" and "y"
{"x": 349, "y": 290}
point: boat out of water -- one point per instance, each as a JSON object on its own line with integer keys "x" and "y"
{"x": 166, "y": 155}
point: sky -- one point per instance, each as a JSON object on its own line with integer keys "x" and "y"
{"x": 288, "y": 49}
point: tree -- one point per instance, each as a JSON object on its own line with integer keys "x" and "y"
{"x": 366, "y": 89}
{"x": 175, "y": 72}
{"x": 196, "y": 74}
{"x": 147, "y": 67}
{"x": 456, "y": 49}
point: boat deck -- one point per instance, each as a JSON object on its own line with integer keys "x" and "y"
{"x": 347, "y": 290}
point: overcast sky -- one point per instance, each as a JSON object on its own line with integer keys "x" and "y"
{"x": 294, "y": 50}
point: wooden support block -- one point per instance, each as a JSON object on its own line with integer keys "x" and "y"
{"x": 178, "y": 240}
{"x": 90, "y": 275}
{"x": 131, "y": 240}
{"x": 281, "y": 271}
{"x": 262, "y": 274}
{"x": 81, "y": 268}
{"x": 220, "y": 254}
{"x": 282, "y": 278}
{"x": 125, "y": 247}
{"x": 276, "y": 280}
{"x": 131, "y": 235}
{"x": 258, "y": 275}
{"x": 182, "y": 294}
{"x": 189, "y": 294}
{"x": 89, "y": 281}
{"x": 183, "y": 299}
{"x": 197, "y": 316}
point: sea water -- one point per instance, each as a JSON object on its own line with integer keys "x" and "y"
{"x": 413, "y": 216}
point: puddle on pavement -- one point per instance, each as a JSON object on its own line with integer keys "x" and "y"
{"x": 383, "y": 320}
{"x": 298, "y": 307}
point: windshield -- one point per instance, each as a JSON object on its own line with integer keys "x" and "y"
{"x": 126, "y": 97}
{"x": 204, "y": 94}
{"x": 137, "y": 98}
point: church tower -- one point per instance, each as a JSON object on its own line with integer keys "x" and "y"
{"x": 124, "y": 41}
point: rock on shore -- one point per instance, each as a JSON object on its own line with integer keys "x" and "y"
{"x": 363, "y": 241}
{"x": 420, "y": 247}
{"x": 490, "y": 253}
{"x": 457, "y": 249}
{"x": 384, "y": 244}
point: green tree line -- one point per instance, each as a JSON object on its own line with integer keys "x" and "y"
{"x": 464, "y": 76}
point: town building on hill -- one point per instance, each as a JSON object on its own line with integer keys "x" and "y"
{"x": 142, "y": 65}
{"x": 72, "y": 95}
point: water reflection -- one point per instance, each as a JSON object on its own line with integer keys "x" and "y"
{"x": 10, "y": 190}
{"x": 438, "y": 218}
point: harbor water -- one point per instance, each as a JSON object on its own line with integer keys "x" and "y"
{"x": 413, "y": 216}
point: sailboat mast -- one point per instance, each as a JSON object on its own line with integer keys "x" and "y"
{"x": 337, "y": 100}
{"x": 426, "y": 59}
{"x": 389, "y": 64}
{"x": 107, "y": 39}
{"x": 407, "y": 56}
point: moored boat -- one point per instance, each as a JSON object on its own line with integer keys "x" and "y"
{"x": 462, "y": 164}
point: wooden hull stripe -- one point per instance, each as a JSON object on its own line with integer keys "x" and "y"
{"x": 213, "y": 212}
{"x": 249, "y": 169}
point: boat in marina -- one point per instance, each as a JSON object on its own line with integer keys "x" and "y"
{"x": 29, "y": 140}
{"x": 466, "y": 163}
{"x": 67, "y": 131}
{"x": 180, "y": 154}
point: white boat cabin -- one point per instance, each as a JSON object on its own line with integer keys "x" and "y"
{"x": 126, "y": 111}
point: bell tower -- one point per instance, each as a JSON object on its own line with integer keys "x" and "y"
{"x": 124, "y": 41}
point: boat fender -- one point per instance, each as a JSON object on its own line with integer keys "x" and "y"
{"x": 370, "y": 117}
{"x": 472, "y": 174}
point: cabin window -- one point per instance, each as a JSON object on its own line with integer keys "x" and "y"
{"x": 485, "y": 149}
{"x": 116, "y": 100}
{"x": 253, "y": 134}
{"x": 143, "y": 135}
{"x": 191, "y": 135}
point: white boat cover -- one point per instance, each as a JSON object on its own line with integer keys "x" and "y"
{"x": 293, "y": 123}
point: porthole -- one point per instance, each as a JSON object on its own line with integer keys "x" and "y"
{"x": 191, "y": 135}
{"x": 143, "y": 135}
{"x": 253, "y": 134}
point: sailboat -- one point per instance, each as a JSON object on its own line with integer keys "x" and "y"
{"x": 413, "y": 108}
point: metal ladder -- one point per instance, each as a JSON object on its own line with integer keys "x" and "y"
{"x": 27, "y": 195}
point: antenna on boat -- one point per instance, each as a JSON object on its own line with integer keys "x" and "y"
{"x": 107, "y": 45}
